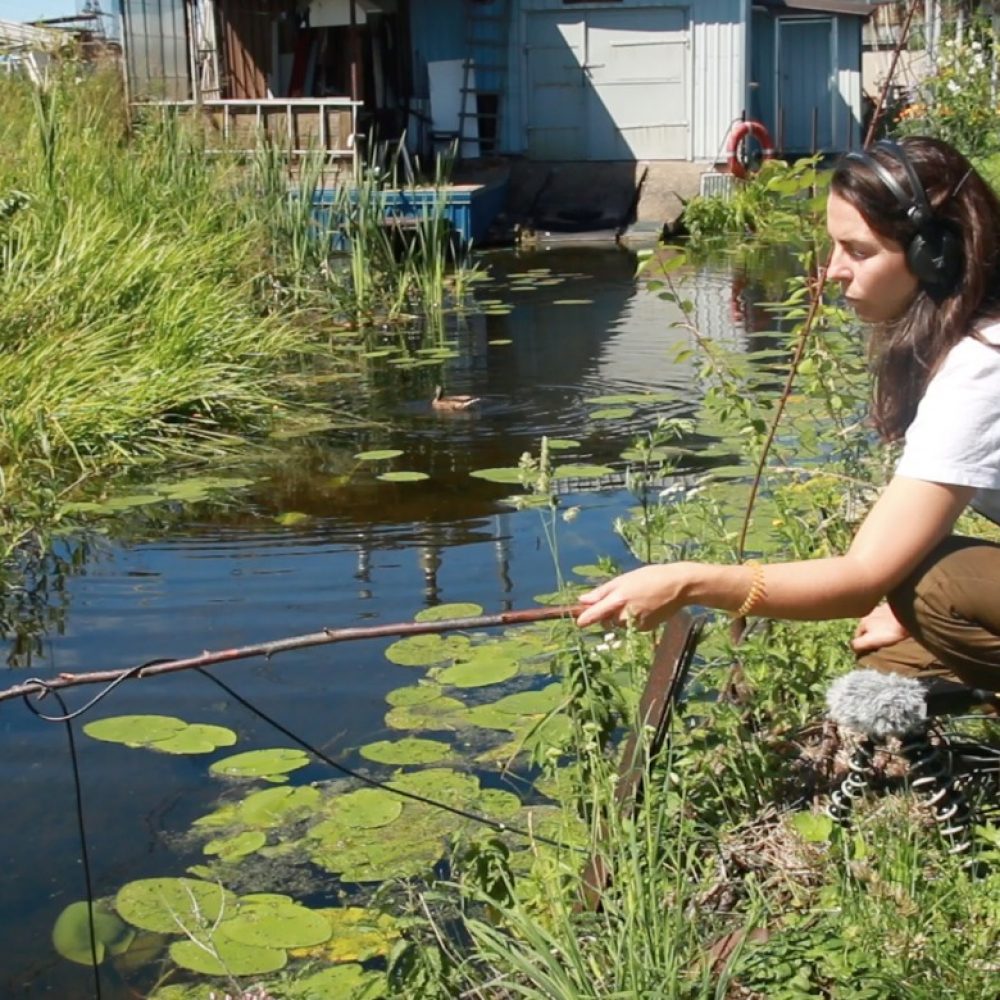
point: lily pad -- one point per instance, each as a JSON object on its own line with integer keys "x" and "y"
{"x": 71, "y": 933}
{"x": 378, "y": 456}
{"x": 414, "y": 694}
{"x": 172, "y": 905}
{"x": 500, "y": 475}
{"x": 135, "y": 730}
{"x": 271, "y": 764}
{"x": 573, "y": 302}
{"x": 277, "y": 923}
{"x": 358, "y": 935}
{"x": 403, "y": 477}
{"x": 409, "y": 750}
{"x": 612, "y": 413}
{"x": 292, "y": 517}
{"x": 562, "y": 444}
{"x": 501, "y": 341}
{"x": 486, "y": 665}
{"x": 196, "y": 738}
{"x": 423, "y": 650}
{"x": 234, "y": 848}
{"x": 224, "y": 957}
{"x": 581, "y": 471}
{"x": 442, "y": 713}
{"x": 264, "y": 809}
{"x": 342, "y": 982}
{"x": 366, "y": 808}
{"x": 442, "y": 612}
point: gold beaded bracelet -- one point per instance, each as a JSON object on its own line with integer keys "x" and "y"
{"x": 755, "y": 593}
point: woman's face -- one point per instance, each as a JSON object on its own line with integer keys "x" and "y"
{"x": 870, "y": 268}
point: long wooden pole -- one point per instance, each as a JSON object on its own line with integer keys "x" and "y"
{"x": 325, "y": 637}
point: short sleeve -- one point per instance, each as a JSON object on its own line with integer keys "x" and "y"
{"x": 955, "y": 436}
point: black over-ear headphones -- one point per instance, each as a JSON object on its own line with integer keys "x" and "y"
{"x": 934, "y": 254}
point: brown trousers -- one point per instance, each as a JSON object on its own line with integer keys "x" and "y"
{"x": 950, "y": 605}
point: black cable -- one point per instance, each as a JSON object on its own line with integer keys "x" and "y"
{"x": 78, "y": 789}
{"x": 374, "y": 783}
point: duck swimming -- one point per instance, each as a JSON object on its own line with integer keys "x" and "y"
{"x": 443, "y": 402}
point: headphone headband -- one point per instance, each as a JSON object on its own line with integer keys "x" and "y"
{"x": 916, "y": 206}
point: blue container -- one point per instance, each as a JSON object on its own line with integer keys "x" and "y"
{"x": 470, "y": 208}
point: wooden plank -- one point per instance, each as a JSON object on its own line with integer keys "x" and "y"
{"x": 671, "y": 664}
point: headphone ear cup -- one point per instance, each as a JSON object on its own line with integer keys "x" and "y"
{"x": 935, "y": 258}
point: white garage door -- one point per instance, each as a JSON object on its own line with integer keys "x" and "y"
{"x": 608, "y": 84}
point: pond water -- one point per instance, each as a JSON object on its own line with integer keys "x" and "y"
{"x": 368, "y": 552}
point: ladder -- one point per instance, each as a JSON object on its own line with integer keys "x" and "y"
{"x": 484, "y": 76}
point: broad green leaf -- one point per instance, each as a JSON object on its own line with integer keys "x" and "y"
{"x": 71, "y": 933}
{"x": 581, "y": 471}
{"x": 224, "y": 957}
{"x": 502, "y": 475}
{"x": 441, "y": 612}
{"x": 261, "y": 763}
{"x": 403, "y": 477}
{"x": 409, "y": 750}
{"x": 378, "y": 456}
{"x": 171, "y": 905}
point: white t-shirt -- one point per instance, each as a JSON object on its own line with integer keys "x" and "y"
{"x": 955, "y": 436}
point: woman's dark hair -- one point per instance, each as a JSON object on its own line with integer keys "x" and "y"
{"x": 907, "y": 351}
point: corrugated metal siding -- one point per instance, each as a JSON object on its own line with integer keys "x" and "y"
{"x": 156, "y": 49}
{"x": 847, "y": 111}
{"x": 718, "y": 83}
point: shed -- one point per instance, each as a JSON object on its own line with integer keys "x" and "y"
{"x": 805, "y": 73}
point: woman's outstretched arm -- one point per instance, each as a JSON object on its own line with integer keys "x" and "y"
{"x": 908, "y": 520}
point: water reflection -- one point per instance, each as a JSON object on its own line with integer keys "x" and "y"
{"x": 370, "y": 551}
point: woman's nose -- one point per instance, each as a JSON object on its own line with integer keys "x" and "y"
{"x": 838, "y": 269}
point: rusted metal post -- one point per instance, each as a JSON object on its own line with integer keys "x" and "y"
{"x": 669, "y": 670}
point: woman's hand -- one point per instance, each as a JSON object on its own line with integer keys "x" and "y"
{"x": 646, "y": 596}
{"x": 877, "y": 629}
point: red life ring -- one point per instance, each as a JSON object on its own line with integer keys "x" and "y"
{"x": 735, "y": 162}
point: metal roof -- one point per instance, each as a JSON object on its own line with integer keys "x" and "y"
{"x": 858, "y": 8}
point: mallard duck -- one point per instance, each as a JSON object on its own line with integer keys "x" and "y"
{"x": 443, "y": 402}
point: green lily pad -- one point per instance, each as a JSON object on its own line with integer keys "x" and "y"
{"x": 439, "y": 714}
{"x": 486, "y": 665}
{"x": 592, "y": 571}
{"x": 224, "y": 957}
{"x": 501, "y": 341}
{"x": 172, "y": 905}
{"x": 415, "y": 694}
{"x": 277, "y": 923}
{"x": 71, "y": 933}
{"x": 612, "y": 413}
{"x": 500, "y": 475}
{"x": 269, "y": 807}
{"x": 358, "y": 935}
{"x": 581, "y": 471}
{"x": 135, "y": 730}
{"x": 196, "y": 738}
{"x": 366, "y": 808}
{"x": 423, "y": 650}
{"x": 342, "y": 982}
{"x": 573, "y": 302}
{"x": 410, "y": 750}
{"x": 441, "y": 784}
{"x": 199, "y": 486}
{"x": 271, "y": 764}
{"x": 442, "y": 612}
{"x": 403, "y": 477}
{"x": 378, "y": 456}
{"x": 234, "y": 848}
{"x": 292, "y": 517}
{"x": 562, "y": 444}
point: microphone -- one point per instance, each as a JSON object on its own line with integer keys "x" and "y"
{"x": 877, "y": 705}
